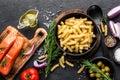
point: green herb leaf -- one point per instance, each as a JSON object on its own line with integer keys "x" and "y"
{"x": 22, "y": 52}
{"x": 4, "y": 62}
{"x": 51, "y": 48}
{"x": 95, "y": 69}
{"x": 104, "y": 19}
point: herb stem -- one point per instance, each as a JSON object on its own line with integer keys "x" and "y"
{"x": 51, "y": 48}
{"x": 96, "y": 69}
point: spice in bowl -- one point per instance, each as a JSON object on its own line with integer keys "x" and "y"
{"x": 116, "y": 56}
{"x": 110, "y": 41}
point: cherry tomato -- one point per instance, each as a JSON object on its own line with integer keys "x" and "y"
{"x": 29, "y": 74}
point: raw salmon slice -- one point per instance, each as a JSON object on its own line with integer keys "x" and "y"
{"x": 9, "y": 59}
{"x": 6, "y": 43}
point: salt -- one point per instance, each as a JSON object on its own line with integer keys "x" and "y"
{"x": 117, "y": 55}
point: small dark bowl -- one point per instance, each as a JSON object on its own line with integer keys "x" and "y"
{"x": 105, "y": 61}
{"x": 110, "y": 41}
{"x": 95, "y": 41}
{"x": 114, "y": 58}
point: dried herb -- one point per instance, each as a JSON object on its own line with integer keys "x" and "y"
{"x": 51, "y": 48}
{"x": 95, "y": 69}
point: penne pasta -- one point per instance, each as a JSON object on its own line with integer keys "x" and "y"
{"x": 69, "y": 63}
{"x": 106, "y": 30}
{"x": 54, "y": 67}
{"x": 102, "y": 27}
{"x": 75, "y": 34}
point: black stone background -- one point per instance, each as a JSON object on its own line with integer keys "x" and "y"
{"x": 11, "y": 10}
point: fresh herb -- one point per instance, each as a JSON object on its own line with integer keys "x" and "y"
{"x": 51, "y": 48}
{"x": 4, "y": 62}
{"x": 104, "y": 19}
{"x": 95, "y": 69}
{"x": 22, "y": 52}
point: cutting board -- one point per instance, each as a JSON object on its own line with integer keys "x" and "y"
{"x": 38, "y": 38}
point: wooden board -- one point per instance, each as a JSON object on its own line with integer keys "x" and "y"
{"x": 38, "y": 38}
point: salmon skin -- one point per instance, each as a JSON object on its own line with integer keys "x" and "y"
{"x": 6, "y": 43}
{"x": 9, "y": 59}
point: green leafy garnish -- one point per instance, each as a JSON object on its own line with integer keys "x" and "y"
{"x": 104, "y": 19}
{"x": 4, "y": 62}
{"x": 22, "y": 52}
{"x": 95, "y": 69}
{"x": 51, "y": 48}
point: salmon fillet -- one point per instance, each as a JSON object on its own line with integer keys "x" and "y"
{"x": 9, "y": 59}
{"x": 6, "y": 43}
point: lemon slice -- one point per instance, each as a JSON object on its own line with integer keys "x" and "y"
{"x": 26, "y": 22}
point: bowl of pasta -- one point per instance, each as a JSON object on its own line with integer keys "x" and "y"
{"x": 76, "y": 33}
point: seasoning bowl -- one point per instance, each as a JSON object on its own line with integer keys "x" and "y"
{"x": 116, "y": 55}
{"x": 77, "y": 14}
{"x": 106, "y": 63}
{"x": 110, "y": 41}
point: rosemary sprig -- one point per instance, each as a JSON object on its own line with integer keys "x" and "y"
{"x": 95, "y": 69}
{"x": 51, "y": 48}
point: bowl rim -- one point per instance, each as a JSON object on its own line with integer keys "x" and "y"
{"x": 108, "y": 60}
{"x": 95, "y": 43}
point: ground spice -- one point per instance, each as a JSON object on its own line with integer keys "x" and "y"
{"x": 110, "y": 41}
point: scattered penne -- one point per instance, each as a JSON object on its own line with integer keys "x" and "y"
{"x": 61, "y": 63}
{"x": 81, "y": 69}
{"x": 106, "y": 30}
{"x": 102, "y": 27}
{"x": 54, "y": 67}
{"x": 42, "y": 56}
{"x": 69, "y": 63}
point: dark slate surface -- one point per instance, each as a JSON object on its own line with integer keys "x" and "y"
{"x": 11, "y": 10}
